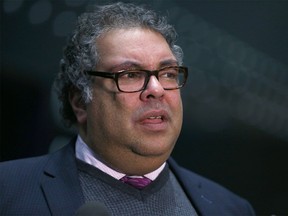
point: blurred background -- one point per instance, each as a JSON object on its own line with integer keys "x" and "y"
{"x": 235, "y": 104}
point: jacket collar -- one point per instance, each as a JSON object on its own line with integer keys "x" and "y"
{"x": 194, "y": 189}
{"x": 60, "y": 182}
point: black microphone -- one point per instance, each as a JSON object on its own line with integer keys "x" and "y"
{"x": 93, "y": 208}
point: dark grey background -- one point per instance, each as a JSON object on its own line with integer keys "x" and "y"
{"x": 236, "y": 124}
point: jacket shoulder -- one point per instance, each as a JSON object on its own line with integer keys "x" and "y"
{"x": 19, "y": 167}
{"x": 25, "y": 184}
{"x": 209, "y": 196}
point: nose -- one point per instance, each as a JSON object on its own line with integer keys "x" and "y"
{"x": 153, "y": 89}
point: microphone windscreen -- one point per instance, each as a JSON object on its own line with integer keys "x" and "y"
{"x": 92, "y": 209}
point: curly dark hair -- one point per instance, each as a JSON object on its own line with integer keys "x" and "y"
{"x": 80, "y": 53}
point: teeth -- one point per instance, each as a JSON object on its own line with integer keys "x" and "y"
{"x": 155, "y": 117}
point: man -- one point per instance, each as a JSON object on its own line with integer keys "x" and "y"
{"x": 119, "y": 85}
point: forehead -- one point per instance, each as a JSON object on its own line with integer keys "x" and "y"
{"x": 140, "y": 45}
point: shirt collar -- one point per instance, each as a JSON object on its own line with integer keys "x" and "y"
{"x": 86, "y": 154}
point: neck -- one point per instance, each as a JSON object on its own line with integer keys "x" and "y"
{"x": 132, "y": 163}
{"x": 127, "y": 160}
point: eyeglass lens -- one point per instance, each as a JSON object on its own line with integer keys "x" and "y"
{"x": 170, "y": 78}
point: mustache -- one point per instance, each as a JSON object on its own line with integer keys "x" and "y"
{"x": 152, "y": 106}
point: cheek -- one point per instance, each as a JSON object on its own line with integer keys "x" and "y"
{"x": 127, "y": 101}
{"x": 175, "y": 102}
{"x": 116, "y": 109}
{"x": 176, "y": 106}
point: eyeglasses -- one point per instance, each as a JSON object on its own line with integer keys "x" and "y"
{"x": 171, "y": 77}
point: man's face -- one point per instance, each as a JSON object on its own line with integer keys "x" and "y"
{"x": 130, "y": 126}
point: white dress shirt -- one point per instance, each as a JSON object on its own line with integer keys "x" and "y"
{"x": 86, "y": 154}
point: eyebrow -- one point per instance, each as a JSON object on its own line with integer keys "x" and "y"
{"x": 135, "y": 65}
{"x": 126, "y": 65}
{"x": 168, "y": 62}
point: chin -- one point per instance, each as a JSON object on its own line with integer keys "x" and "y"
{"x": 149, "y": 150}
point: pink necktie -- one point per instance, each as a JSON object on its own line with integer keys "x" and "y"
{"x": 139, "y": 183}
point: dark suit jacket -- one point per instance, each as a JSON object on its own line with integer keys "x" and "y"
{"x": 49, "y": 185}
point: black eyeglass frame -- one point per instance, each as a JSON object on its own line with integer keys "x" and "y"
{"x": 115, "y": 76}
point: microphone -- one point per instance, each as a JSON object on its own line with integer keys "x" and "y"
{"x": 93, "y": 208}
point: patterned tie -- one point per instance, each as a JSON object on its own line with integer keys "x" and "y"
{"x": 139, "y": 183}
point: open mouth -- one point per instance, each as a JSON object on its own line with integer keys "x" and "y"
{"x": 155, "y": 117}
{"x": 154, "y": 120}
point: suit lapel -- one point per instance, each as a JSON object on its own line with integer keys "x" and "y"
{"x": 60, "y": 182}
{"x": 192, "y": 185}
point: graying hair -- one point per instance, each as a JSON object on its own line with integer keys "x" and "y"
{"x": 80, "y": 53}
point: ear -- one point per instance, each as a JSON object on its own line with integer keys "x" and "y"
{"x": 78, "y": 106}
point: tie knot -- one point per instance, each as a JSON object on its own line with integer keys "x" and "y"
{"x": 136, "y": 182}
